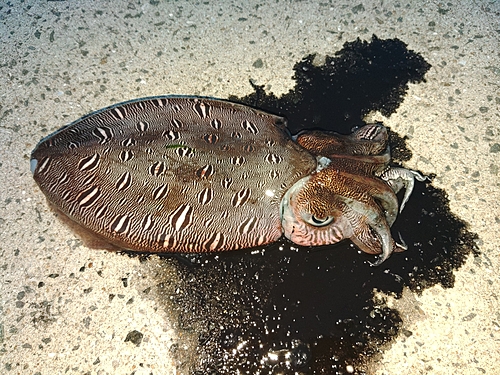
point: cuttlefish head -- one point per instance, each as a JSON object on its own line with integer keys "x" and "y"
{"x": 330, "y": 206}
{"x": 344, "y": 198}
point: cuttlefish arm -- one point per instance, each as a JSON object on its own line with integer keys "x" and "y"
{"x": 371, "y": 139}
{"x": 377, "y": 189}
{"x": 371, "y": 230}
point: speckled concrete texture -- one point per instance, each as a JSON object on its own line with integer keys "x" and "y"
{"x": 66, "y": 308}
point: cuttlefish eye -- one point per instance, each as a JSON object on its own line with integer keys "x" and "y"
{"x": 315, "y": 220}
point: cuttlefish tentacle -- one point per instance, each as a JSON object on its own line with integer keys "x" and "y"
{"x": 398, "y": 178}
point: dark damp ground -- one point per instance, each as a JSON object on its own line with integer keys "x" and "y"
{"x": 287, "y": 309}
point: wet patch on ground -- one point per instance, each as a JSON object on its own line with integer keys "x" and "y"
{"x": 285, "y": 309}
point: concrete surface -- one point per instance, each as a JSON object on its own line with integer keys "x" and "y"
{"x": 66, "y": 308}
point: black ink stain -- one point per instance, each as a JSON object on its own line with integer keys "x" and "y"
{"x": 287, "y": 309}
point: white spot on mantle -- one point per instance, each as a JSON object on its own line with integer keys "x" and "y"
{"x": 269, "y": 193}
